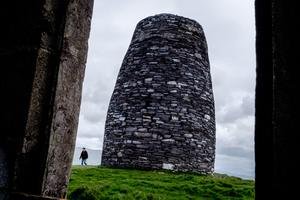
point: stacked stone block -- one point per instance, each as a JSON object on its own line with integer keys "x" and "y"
{"x": 161, "y": 113}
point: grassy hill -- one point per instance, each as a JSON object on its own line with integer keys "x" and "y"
{"x": 95, "y": 183}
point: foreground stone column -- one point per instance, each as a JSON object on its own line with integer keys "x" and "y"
{"x": 52, "y": 52}
{"x": 161, "y": 113}
{"x": 277, "y": 99}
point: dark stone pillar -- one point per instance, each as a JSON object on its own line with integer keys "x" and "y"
{"x": 277, "y": 99}
{"x": 45, "y": 51}
{"x": 161, "y": 113}
{"x": 264, "y": 97}
{"x": 19, "y": 43}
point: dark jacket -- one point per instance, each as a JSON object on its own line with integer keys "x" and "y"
{"x": 84, "y": 155}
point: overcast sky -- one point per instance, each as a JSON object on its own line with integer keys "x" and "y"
{"x": 230, "y": 33}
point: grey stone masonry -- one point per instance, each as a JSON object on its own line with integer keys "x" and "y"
{"x": 161, "y": 114}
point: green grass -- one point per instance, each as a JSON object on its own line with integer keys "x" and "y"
{"x": 99, "y": 183}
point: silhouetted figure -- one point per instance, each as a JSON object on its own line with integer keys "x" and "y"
{"x": 83, "y": 156}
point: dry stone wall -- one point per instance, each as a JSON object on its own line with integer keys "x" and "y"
{"x": 161, "y": 113}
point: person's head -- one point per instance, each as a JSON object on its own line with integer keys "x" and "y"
{"x": 83, "y": 149}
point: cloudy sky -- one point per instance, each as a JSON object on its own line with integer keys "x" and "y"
{"x": 230, "y": 33}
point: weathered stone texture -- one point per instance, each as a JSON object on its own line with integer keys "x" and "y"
{"x": 161, "y": 113}
{"x": 67, "y": 100}
{"x": 39, "y": 145}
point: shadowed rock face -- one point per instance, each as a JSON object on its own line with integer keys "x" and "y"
{"x": 44, "y": 50}
{"x": 161, "y": 113}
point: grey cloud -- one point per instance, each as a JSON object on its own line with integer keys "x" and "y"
{"x": 241, "y": 106}
{"x": 235, "y": 166}
{"x": 236, "y": 139}
{"x": 248, "y": 105}
{"x": 236, "y": 152}
{"x": 89, "y": 142}
{"x": 94, "y": 112}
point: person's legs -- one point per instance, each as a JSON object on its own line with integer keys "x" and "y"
{"x": 85, "y": 161}
{"x": 82, "y": 161}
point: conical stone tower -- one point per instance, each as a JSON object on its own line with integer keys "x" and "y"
{"x": 161, "y": 113}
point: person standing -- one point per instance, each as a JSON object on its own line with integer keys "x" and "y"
{"x": 83, "y": 156}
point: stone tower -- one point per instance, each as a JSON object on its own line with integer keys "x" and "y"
{"x": 161, "y": 113}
